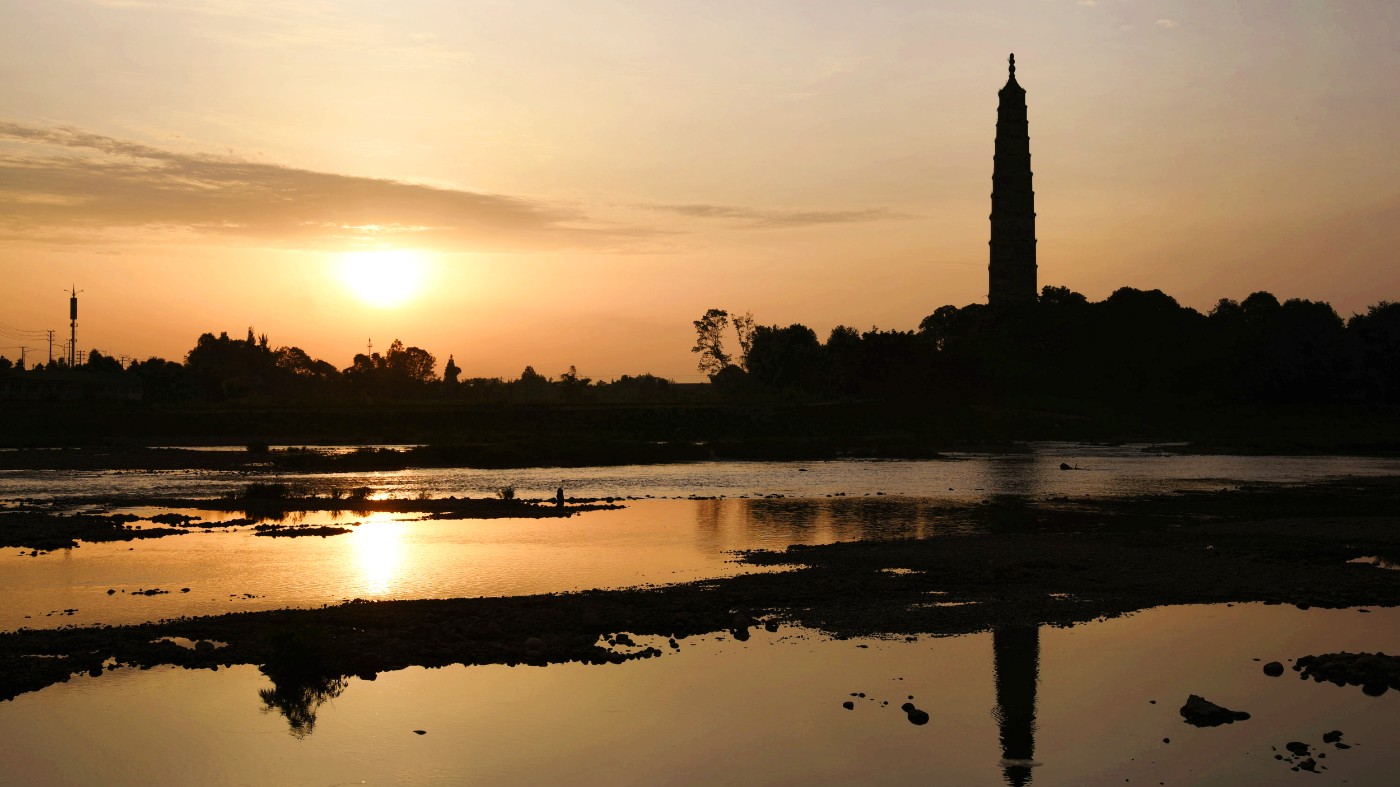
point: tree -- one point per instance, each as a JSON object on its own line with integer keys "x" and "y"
{"x": 105, "y": 364}
{"x": 530, "y": 377}
{"x": 571, "y": 379}
{"x": 451, "y": 372}
{"x": 743, "y": 329}
{"x": 413, "y": 364}
{"x": 788, "y": 358}
{"x": 709, "y": 341}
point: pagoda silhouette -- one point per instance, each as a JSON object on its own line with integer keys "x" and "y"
{"x": 1012, "y": 272}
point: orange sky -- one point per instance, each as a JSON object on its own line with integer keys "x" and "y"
{"x": 575, "y": 182}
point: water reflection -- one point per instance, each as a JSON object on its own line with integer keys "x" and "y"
{"x": 379, "y": 552}
{"x": 1016, "y": 666}
{"x": 299, "y": 700}
{"x": 725, "y": 525}
{"x": 301, "y": 679}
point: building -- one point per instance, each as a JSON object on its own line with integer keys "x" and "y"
{"x": 1012, "y": 272}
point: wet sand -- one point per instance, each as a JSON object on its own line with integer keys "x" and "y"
{"x": 1024, "y": 563}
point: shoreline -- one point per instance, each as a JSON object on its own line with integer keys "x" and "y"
{"x": 1027, "y": 563}
{"x": 331, "y": 458}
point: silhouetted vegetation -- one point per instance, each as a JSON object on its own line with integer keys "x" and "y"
{"x": 1135, "y": 344}
{"x": 1136, "y": 365}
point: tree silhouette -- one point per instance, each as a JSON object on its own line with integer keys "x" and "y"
{"x": 709, "y": 341}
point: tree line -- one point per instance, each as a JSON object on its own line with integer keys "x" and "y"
{"x": 221, "y": 368}
{"x": 1135, "y": 344}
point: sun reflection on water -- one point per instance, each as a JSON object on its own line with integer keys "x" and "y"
{"x": 379, "y": 551}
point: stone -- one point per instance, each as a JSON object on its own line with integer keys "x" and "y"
{"x": 1273, "y": 669}
{"x": 1201, "y": 712}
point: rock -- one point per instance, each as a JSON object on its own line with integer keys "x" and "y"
{"x": 1332, "y": 737}
{"x": 1273, "y": 669}
{"x": 1375, "y": 673}
{"x": 848, "y": 705}
{"x": 1065, "y": 466}
{"x": 906, "y": 707}
{"x": 770, "y": 625}
{"x": 1297, "y": 747}
{"x": 918, "y": 717}
{"x": 420, "y": 732}
{"x": 1201, "y": 712}
{"x": 111, "y": 592}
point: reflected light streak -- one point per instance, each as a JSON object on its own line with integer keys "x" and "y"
{"x": 379, "y": 551}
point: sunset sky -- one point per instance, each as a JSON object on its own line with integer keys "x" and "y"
{"x": 574, "y": 182}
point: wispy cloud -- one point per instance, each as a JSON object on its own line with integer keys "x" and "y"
{"x": 60, "y": 183}
{"x": 271, "y": 24}
{"x": 1167, "y": 23}
{"x": 768, "y": 218}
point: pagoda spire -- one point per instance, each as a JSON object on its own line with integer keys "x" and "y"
{"x": 1012, "y": 270}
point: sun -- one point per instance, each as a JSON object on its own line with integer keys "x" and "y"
{"x": 384, "y": 278}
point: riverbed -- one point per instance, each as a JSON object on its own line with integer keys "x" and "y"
{"x": 1092, "y": 703}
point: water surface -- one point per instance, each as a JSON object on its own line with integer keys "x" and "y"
{"x": 766, "y": 711}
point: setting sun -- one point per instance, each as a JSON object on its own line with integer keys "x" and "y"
{"x": 385, "y": 278}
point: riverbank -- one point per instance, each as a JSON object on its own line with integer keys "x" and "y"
{"x": 1024, "y": 563}
{"x": 578, "y": 435}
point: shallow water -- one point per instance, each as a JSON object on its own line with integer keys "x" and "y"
{"x": 1101, "y": 472}
{"x": 1052, "y": 705}
{"x": 1076, "y": 704}
{"x": 396, "y": 556}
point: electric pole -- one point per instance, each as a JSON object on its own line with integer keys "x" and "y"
{"x": 50, "y": 348}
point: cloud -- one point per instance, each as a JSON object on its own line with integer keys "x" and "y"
{"x": 63, "y": 184}
{"x": 1167, "y": 23}
{"x": 766, "y": 218}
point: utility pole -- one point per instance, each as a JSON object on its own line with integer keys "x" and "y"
{"x": 50, "y": 348}
{"x": 369, "y": 348}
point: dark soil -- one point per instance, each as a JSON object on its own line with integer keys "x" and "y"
{"x": 42, "y": 532}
